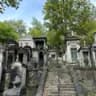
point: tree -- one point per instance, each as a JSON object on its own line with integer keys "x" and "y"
{"x": 7, "y": 32}
{"x": 54, "y": 38}
{"x": 37, "y": 28}
{"x": 8, "y": 3}
{"x": 91, "y": 28}
{"x": 18, "y": 25}
{"x": 64, "y": 16}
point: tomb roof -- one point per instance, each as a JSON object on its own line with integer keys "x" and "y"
{"x": 72, "y": 38}
{"x": 27, "y": 37}
{"x": 39, "y": 38}
{"x": 85, "y": 48}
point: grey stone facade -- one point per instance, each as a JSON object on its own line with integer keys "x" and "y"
{"x": 38, "y": 45}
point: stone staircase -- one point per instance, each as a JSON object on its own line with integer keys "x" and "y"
{"x": 59, "y": 84}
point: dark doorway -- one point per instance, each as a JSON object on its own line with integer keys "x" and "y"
{"x": 86, "y": 60}
{"x": 21, "y": 53}
{"x": 41, "y": 59}
{"x": 10, "y": 60}
{"x": 21, "y": 57}
{"x": 28, "y": 52}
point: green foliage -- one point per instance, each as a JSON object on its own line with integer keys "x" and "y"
{"x": 65, "y": 16}
{"x": 37, "y": 28}
{"x": 8, "y": 3}
{"x": 89, "y": 37}
{"x": 18, "y": 25}
{"x": 6, "y": 31}
{"x": 54, "y": 38}
{"x": 35, "y": 32}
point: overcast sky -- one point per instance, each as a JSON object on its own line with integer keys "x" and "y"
{"x": 27, "y": 10}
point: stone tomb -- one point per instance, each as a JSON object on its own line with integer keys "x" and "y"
{"x": 38, "y": 46}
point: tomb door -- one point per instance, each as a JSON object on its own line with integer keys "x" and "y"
{"x": 21, "y": 57}
{"x": 41, "y": 59}
{"x": 74, "y": 54}
{"x": 85, "y": 56}
{"x": 11, "y": 59}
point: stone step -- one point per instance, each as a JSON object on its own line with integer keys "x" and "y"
{"x": 62, "y": 94}
{"x": 61, "y": 85}
{"x": 56, "y": 94}
{"x": 62, "y": 88}
{"x": 67, "y": 89}
{"x": 61, "y": 80}
{"x": 67, "y": 93}
{"x": 66, "y": 85}
{"x": 56, "y": 81}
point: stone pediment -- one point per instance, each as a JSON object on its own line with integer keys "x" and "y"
{"x": 27, "y": 40}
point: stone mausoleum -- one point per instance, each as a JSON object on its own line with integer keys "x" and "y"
{"x": 38, "y": 46}
{"x": 80, "y": 55}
